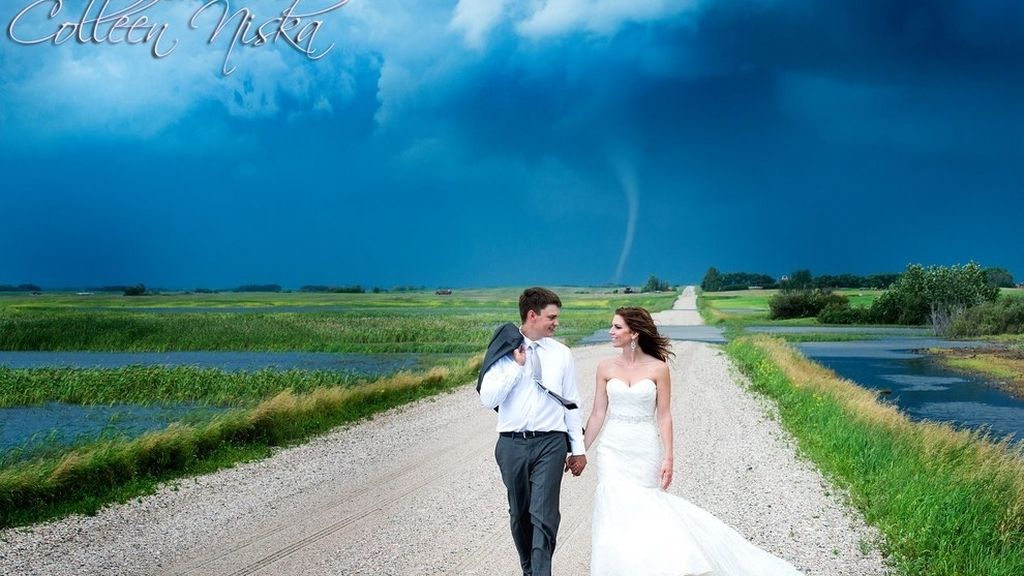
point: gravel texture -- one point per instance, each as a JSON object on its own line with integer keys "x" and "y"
{"x": 415, "y": 491}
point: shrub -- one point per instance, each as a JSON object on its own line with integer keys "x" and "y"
{"x": 937, "y": 294}
{"x": 1005, "y": 316}
{"x": 843, "y": 313}
{"x": 802, "y": 303}
{"x": 894, "y": 307}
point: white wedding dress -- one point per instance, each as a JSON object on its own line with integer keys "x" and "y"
{"x": 640, "y": 530}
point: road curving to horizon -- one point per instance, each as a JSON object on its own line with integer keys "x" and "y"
{"x": 416, "y": 491}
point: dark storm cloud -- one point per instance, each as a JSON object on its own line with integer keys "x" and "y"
{"x": 843, "y": 137}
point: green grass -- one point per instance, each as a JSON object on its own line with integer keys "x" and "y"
{"x": 750, "y": 307}
{"x": 378, "y": 323}
{"x": 269, "y": 408}
{"x": 740, "y": 305}
{"x": 831, "y": 337}
{"x": 1006, "y": 369}
{"x": 504, "y": 298}
{"x": 1008, "y": 339}
{"x": 145, "y": 385}
{"x": 948, "y": 502}
{"x": 496, "y": 299}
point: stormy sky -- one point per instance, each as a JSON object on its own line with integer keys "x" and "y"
{"x": 492, "y": 142}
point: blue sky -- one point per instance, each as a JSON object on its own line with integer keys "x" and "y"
{"x": 480, "y": 143}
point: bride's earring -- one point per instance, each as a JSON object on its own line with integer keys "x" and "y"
{"x": 632, "y": 345}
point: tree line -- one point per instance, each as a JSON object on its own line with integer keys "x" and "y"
{"x": 955, "y": 300}
{"x": 20, "y": 288}
{"x": 715, "y": 281}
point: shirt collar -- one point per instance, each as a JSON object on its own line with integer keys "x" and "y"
{"x": 527, "y": 341}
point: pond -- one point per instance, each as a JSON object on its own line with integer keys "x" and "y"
{"x": 920, "y": 385}
{"x": 28, "y": 430}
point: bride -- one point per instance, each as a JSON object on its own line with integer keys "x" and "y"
{"x": 639, "y": 529}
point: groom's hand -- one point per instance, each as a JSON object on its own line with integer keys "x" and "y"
{"x": 519, "y": 355}
{"x": 576, "y": 464}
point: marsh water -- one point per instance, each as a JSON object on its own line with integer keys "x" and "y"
{"x": 920, "y": 385}
{"x": 28, "y": 429}
{"x": 895, "y": 362}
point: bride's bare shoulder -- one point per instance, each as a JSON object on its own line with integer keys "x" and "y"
{"x": 661, "y": 368}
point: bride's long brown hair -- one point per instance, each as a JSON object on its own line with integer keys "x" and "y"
{"x": 650, "y": 341}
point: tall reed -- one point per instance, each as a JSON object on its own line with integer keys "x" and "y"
{"x": 145, "y": 385}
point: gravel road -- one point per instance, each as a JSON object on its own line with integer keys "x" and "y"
{"x": 416, "y": 491}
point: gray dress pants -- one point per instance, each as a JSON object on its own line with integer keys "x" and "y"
{"x": 532, "y": 470}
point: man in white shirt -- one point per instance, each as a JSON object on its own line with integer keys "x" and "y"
{"x": 531, "y": 387}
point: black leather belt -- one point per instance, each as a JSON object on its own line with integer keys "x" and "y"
{"x": 529, "y": 434}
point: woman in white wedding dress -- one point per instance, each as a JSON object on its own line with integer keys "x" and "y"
{"x": 639, "y": 529}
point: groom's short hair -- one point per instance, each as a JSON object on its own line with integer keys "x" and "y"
{"x": 536, "y": 299}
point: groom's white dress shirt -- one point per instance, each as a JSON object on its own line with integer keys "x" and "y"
{"x": 522, "y": 405}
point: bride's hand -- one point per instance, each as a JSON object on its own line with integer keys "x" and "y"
{"x": 666, "y": 474}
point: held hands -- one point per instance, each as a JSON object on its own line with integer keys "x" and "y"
{"x": 576, "y": 464}
{"x": 666, "y": 474}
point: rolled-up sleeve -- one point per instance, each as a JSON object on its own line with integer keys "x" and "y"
{"x": 498, "y": 381}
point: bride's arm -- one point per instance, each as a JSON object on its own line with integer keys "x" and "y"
{"x": 600, "y": 409}
{"x": 664, "y": 415}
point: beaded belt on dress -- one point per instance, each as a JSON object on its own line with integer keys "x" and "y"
{"x": 631, "y": 419}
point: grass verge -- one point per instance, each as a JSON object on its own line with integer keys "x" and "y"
{"x": 949, "y": 502}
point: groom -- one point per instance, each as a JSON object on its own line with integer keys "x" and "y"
{"x": 530, "y": 379}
